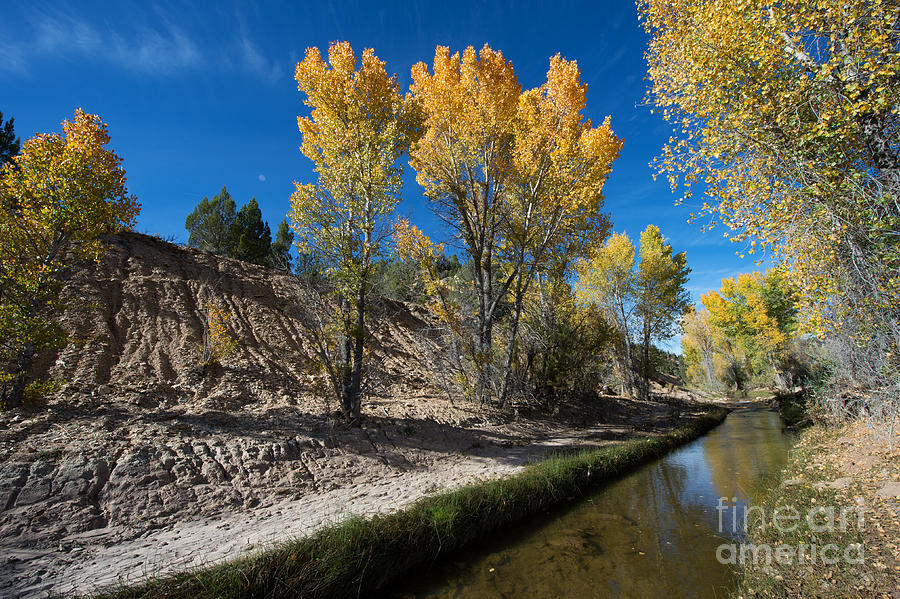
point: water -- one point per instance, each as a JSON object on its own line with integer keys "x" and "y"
{"x": 653, "y": 533}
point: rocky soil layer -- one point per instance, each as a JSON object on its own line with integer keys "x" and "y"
{"x": 165, "y": 489}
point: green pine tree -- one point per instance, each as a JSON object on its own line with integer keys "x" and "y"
{"x": 210, "y": 224}
{"x": 250, "y": 237}
{"x": 9, "y": 143}
{"x": 280, "y": 252}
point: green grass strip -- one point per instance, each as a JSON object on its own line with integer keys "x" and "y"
{"x": 361, "y": 555}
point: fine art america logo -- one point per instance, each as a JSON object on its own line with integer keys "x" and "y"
{"x": 787, "y": 520}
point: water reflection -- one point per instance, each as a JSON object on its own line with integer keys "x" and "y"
{"x": 736, "y": 460}
{"x": 651, "y": 534}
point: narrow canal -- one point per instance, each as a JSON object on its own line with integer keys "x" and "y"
{"x": 653, "y": 533}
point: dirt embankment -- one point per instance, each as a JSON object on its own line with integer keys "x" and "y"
{"x": 143, "y": 463}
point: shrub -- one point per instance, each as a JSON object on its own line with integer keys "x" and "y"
{"x": 218, "y": 344}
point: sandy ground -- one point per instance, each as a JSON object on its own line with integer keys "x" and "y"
{"x": 113, "y": 554}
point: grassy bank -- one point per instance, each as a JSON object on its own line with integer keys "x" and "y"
{"x": 812, "y": 483}
{"x": 361, "y": 555}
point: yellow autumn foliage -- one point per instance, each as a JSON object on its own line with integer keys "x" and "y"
{"x": 56, "y": 198}
{"x": 517, "y": 176}
{"x": 785, "y": 115}
{"x": 218, "y": 343}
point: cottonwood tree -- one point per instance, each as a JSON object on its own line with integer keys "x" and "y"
{"x": 758, "y": 313}
{"x": 357, "y": 130}
{"x": 607, "y": 280}
{"x": 56, "y": 198}
{"x": 661, "y": 295}
{"x": 463, "y": 161}
{"x": 699, "y": 346}
{"x": 553, "y": 212}
{"x": 518, "y": 178}
{"x": 642, "y": 300}
{"x": 788, "y": 114}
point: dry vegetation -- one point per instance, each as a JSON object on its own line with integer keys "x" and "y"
{"x": 852, "y": 466}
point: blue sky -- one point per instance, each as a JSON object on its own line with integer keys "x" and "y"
{"x": 202, "y": 95}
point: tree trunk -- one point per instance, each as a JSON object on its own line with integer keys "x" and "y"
{"x": 358, "y": 346}
{"x": 13, "y": 398}
{"x": 485, "y": 350}
{"x": 347, "y": 365}
{"x": 779, "y": 379}
{"x": 510, "y": 347}
{"x": 484, "y": 334}
{"x": 627, "y": 372}
{"x": 645, "y": 364}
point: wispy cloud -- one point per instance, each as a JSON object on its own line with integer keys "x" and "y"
{"x": 14, "y": 60}
{"x": 255, "y": 62}
{"x": 147, "y": 50}
{"x": 609, "y": 63}
{"x": 159, "y": 49}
